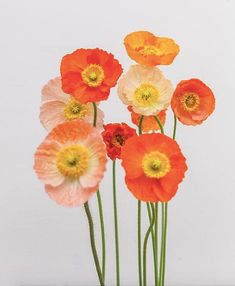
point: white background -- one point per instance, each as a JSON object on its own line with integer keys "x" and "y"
{"x": 45, "y": 244}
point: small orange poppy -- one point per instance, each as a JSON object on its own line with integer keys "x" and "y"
{"x": 192, "y": 101}
{"x": 89, "y": 74}
{"x": 147, "y": 49}
{"x": 149, "y": 123}
{"x": 154, "y": 167}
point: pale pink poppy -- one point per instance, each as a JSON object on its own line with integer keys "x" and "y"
{"x": 58, "y": 107}
{"x": 145, "y": 89}
{"x": 71, "y": 162}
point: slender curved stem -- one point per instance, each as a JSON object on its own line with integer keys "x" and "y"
{"x": 102, "y": 232}
{"x": 93, "y": 247}
{"x": 175, "y": 125}
{"x": 145, "y": 247}
{"x": 159, "y": 123}
{"x": 164, "y": 227}
{"x": 116, "y": 224}
{"x": 153, "y": 243}
{"x": 139, "y": 221}
{"x": 100, "y": 208}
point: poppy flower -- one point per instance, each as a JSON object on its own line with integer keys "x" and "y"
{"x": 115, "y": 136}
{"x": 145, "y": 89}
{"x": 149, "y": 123}
{"x": 71, "y": 162}
{"x": 147, "y": 49}
{"x": 89, "y": 74}
{"x": 154, "y": 167}
{"x": 192, "y": 101}
{"x": 58, "y": 107}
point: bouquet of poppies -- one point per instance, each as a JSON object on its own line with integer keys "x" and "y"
{"x": 71, "y": 160}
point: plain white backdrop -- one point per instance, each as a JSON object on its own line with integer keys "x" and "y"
{"x": 45, "y": 244}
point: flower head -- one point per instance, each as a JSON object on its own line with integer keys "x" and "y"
{"x": 58, "y": 107}
{"x": 154, "y": 167}
{"x": 147, "y": 49}
{"x": 192, "y": 102}
{"x": 149, "y": 122}
{"x": 89, "y": 74}
{"x": 145, "y": 89}
{"x": 115, "y": 136}
{"x": 71, "y": 162}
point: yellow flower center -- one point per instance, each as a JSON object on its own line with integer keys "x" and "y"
{"x": 73, "y": 161}
{"x": 146, "y": 95}
{"x": 190, "y": 101}
{"x": 74, "y": 110}
{"x": 93, "y": 75}
{"x": 149, "y": 50}
{"x": 156, "y": 165}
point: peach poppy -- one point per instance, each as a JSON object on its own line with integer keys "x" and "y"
{"x": 147, "y": 49}
{"x": 115, "y": 136}
{"x": 71, "y": 162}
{"x": 58, "y": 107}
{"x": 149, "y": 123}
{"x": 89, "y": 74}
{"x": 154, "y": 167}
{"x": 192, "y": 102}
{"x": 145, "y": 89}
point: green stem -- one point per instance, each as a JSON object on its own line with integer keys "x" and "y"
{"x": 93, "y": 247}
{"x": 100, "y": 207}
{"x": 140, "y": 124}
{"x": 139, "y": 244}
{"x": 153, "y": 244}
{"x": 139, "y": 221}
{"x": 162, "y": 247}
{"x": 164, "y": 227}
{"x": 145, "y": 247}
{"x": 95, "y": 113}
{"x": 175, "y": 125}
{"x": 164, "y": 252}
{"x": 159, "y": 123}
{"x": 156, "y": 243}
{"x": 116, "y": 223}
{"x": 102, "y": 232}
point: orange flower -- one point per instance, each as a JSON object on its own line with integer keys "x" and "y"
{"x": 115, "y": 136}
{"x": 71, "y": 162}
{"x": 149, "y": 123}
{"x": 192, "y": 101}
{"x": 58, "y": 107}
{"x": 154, "y": 167}
{"x": 147, "y": 49}
{"x": 89, "y": 74}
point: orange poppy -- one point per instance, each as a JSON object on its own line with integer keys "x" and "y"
{"x": 154, "y": 167}
{"x": 147, "y": 49}
{"x": 89, "y": 74}
{"x": 192, "y": 101}
{"x": 149, "y": 123}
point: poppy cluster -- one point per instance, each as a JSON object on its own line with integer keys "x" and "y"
{"x": 87, "y": 75}
{"x": 71, "y": 160}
